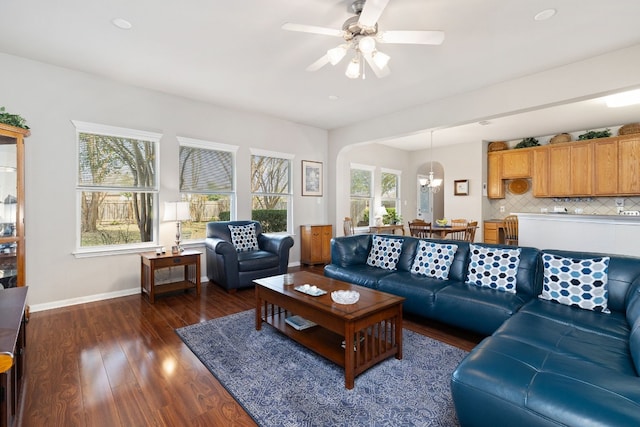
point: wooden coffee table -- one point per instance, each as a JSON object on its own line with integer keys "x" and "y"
{"x": 355, "y": 336}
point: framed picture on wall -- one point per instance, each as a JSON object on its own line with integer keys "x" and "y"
{"x": 311, "y": 178}
{"x": 461, "y": 187}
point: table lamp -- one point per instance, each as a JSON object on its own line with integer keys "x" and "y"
{"x": 380, "y": 212}
{"x": 178, "y": 212}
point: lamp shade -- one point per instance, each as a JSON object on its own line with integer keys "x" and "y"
{"x": 176, "y": 211}
{"x": 381, "y": 211}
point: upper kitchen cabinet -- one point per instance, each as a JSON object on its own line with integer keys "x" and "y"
{"x": 629, "y": 164}
{"x": 516, "y": 164}
{"x": 495, "y": 186}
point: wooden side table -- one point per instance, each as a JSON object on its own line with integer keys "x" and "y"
{"x": 150, "y": 262}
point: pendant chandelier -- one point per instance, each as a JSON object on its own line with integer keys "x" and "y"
{"x": 430, "y": 183}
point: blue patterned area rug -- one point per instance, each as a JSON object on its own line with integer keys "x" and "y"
{"x": 281, "y": 383}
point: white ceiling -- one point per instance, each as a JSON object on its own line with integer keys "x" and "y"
{"x": 234, "y": 53}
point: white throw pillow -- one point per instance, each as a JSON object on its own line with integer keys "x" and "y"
{"x": 385, "y": 252}
{"x": 576, "y": 282}
{"x": 494, "y": 268}
{"x": 433, "y": 259}
{"x": 243, "y": 237}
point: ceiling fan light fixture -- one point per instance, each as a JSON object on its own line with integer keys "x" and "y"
{"x": 353, "y": 69}
{"x": 336, "y": 54}
{"x": 367, "y": 45}
{"x": 380, "y": 59}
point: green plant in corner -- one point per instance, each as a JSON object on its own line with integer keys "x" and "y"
{"x": 593, "y": 134}
{"x": 12, "y": 119}
{"x": 527, "y": 142}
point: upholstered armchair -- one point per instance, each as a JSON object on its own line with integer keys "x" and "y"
{"x": 238, "y": 252}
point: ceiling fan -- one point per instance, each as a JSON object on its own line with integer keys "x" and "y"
{"x": 361, "y": 34}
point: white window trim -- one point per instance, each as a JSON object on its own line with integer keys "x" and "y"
{"x": 184, "y": 141}
{"x": 398, "y": 199}
{"x": 287, "y": 156}
{"x": 108, "y": 130}
{"x": 371, "y": 169}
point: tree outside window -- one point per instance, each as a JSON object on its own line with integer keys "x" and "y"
{"x": 207, "y": 182}
{"x": 390, "y": 196}
{"x": 361, "y": 198}
{"x": 117, "y": 186}
{"x": 271, "y": 192}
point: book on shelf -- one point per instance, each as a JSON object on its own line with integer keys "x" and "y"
{"x": 299, "y": 323}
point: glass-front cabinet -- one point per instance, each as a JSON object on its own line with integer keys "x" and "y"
{"x": 12, "y": 250}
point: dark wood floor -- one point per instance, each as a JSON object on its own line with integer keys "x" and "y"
{"x": 120, "y": 363}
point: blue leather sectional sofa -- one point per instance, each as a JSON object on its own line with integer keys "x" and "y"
{"x": 543, "y": 363}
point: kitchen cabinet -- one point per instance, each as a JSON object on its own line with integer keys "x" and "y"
{"x": 540, "y": 172}
{"x": 559, "y": 171}
{"x": 629, "y": 165}
{"x": 581, "y": 169}
{"x": 493, "y": 231}
{"x": 495, "y": 186}
{"x": 605, "y": 167}
{"x": 597, "y": 167}
{"x": 315, "y": 244}
{"x": 516, "y": 164}
{"x": 571, "y": 169}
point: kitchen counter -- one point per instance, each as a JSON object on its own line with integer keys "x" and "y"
{"x": 615, "y": 234}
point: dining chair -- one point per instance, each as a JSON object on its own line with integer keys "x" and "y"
{"x": 511, "y": 230}
{"x": 347, "y": 226}
{"x": 458, "y": 235}
{"x": 470, "y": 232}
{"x": 420, "y": 228}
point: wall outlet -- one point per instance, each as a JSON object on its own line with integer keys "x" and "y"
{"x": 620, "y": 203}
{"x": 501, "y": 209}
{"x": 619, "y": 209}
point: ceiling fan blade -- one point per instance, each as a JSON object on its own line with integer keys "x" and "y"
{"x": 319, "y": 63}
{"x": 411, "y": 37}
{"x": 379, "y": 72}
{"x": 371, "y": 12}
{"x": 312, "y": 29}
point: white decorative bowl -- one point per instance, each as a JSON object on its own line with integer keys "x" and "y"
{"x": 345, "y": 297}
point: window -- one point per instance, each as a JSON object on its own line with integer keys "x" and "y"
{"x": 207, "y": 182}
{"x": 361, "y": 199}
{"x": 271, "y": 190}
{"x": 390, "y": 194}
{"x": 117, "y": 187}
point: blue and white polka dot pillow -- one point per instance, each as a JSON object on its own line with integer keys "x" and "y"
{"x": 385, "y": 252}
{"x": 243, "y": 237}
{"x": 494, "y": 268}
{"x": 433, "y": 259}
{"x": 576, "y": 282}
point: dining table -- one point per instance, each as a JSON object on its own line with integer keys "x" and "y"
{"x": 386, "y": 229}
{"x": 443, "y": 231}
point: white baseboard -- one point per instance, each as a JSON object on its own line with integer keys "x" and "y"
{"x": 90, "y": 298}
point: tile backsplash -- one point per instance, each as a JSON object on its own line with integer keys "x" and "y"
{"x": 589, "y": 205}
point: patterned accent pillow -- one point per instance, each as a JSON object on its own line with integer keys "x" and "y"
{"x": 243, "y": 237}
{"x": 433, "y": 259}
{"x": 576, "y": 282}
{"x": 494, "y": 268}
{"x": 385, "y": 252}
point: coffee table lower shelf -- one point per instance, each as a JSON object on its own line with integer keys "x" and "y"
{"x": 370, "y": 345}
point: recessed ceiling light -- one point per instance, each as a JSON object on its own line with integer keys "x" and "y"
{"x": 121, "y": 23}
{"x": 623, "y": 99}
{"x": 333, "y": 97}
{"x": 545, "y": 14}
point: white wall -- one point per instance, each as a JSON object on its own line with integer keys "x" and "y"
{"x": 50, "y": 97}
